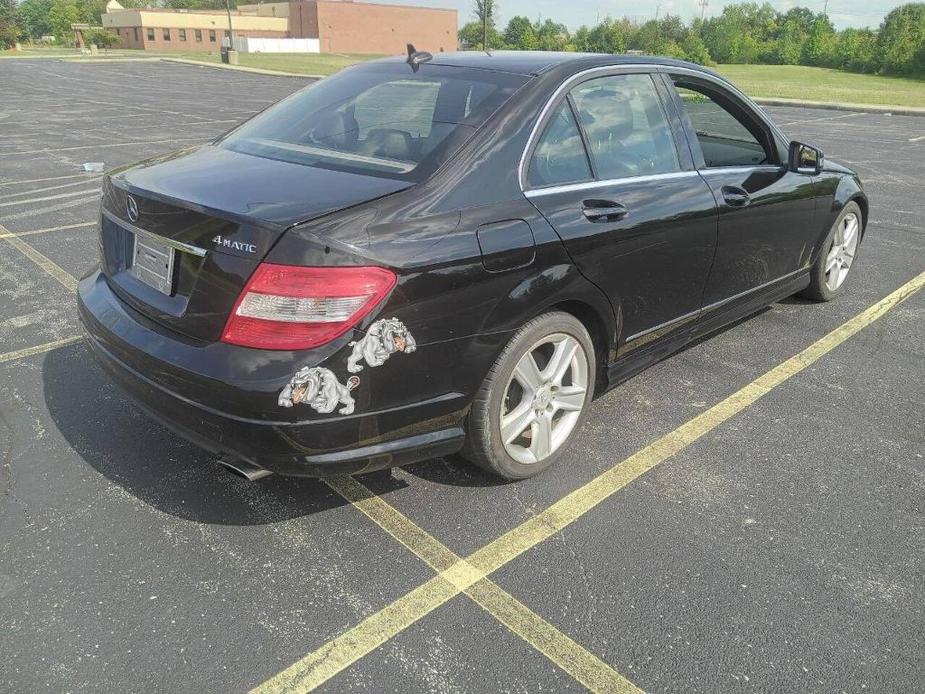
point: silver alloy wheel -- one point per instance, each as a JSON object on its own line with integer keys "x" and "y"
{"x": 841, "y": 254}
{"x": 543, "y": 401}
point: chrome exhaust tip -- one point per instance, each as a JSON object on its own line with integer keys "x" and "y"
{"x": 242, "y": 468}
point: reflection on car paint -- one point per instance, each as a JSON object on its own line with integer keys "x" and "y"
{"x": 319, "y": 389}
{"x": 382, "y": 340}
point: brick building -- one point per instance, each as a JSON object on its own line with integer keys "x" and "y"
{"x": 341, "y": 26}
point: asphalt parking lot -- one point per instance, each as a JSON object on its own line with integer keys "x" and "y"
{"x": 714, "y": 535}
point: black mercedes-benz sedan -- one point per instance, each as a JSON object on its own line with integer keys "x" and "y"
{"x": 454, "y": 253}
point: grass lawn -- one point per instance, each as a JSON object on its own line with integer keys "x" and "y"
{"x": 822, "y": 84}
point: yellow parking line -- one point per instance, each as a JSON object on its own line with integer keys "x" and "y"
{"x": 454, "y": 576}
{"x": 39, "y": 349}
{"x": 341, "y": 652}
{"x": 32, "y": 232}
{"x": 48, "y": 265}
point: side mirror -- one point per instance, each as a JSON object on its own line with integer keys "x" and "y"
{"x": 804, "y": 159}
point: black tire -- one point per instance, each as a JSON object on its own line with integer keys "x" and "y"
{"x": 818, "y": 290}
{"x": 483, "y": 427}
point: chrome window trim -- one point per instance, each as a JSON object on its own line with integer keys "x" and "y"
{"x": 707, "y": 170}
{"x": 178, "y": 245}
{"x": 631, "y": 68}
{"x": 591, "y": 185}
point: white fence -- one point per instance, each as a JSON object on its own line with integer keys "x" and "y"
{"x": 248, "y": 44}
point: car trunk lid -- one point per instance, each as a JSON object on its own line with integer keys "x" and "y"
{"x": 180, "y": 235}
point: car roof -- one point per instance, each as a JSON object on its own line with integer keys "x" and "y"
{"x": 538, "y": 62}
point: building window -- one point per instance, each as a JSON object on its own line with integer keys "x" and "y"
{"x": 199, "y": 35}
{"x": 150, "y": 34}
{"x": 183, "y": 34}
{"x": 136, "y": 33}
{"x": 167, "y": 34}
{"x": 212, "y": 35}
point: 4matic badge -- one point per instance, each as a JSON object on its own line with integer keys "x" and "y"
{"x": 234, "y": 245}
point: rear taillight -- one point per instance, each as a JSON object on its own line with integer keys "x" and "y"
{"x": 287, "y": 307}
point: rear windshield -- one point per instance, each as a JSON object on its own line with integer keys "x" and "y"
{"x": 380, "y": 118}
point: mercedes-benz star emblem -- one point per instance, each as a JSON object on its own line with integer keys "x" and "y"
{"x": 131, "y": 207}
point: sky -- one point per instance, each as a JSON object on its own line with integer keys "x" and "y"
{"x": 574, "y": 13}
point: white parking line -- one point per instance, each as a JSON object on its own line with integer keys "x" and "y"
{"x": 46, "y": 197}
{"x": 50, "y": 178}
{"x": 917, "y": 139}
{"x": 43, "y": 190}
{"x": 110, "y": 144}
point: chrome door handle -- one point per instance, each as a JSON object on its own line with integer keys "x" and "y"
{"x": 735, "y": 196}
{"x": 603, "y": 210}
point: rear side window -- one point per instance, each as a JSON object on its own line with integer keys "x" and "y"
{"x": 378, "y": 118}
{"x": 560, "y": 155}
{"x": 626, "y": 126}
{"x": 726, "y": 138}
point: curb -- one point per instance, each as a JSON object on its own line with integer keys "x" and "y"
{"x": 837, "y": 106}
{"x": 240, "y": 68}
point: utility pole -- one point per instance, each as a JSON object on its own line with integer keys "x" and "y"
{"x": 825, "y": 8}
{"x": 703, "y": 6}
{"x": 657, "y": 9}
{"x": 230, "y": 29}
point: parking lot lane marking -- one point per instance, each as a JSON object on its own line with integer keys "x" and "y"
{"x": 73, "y": 193}
{"x": 362, "y": 639}
{"x": 574, "y": 505}
{"x": 31, "y": 232}
{"x": 58, "y": 186}
{"x": 50, "y": 178}
{"x": 47, "y": 264}
{"x": 47, "y": 150}
{"x": 917, "y": 139}
{"x": 569, "y": 655}
{"x": 340, "y": 653}
{"x": 39, "y": 349}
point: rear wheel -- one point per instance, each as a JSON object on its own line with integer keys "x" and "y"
{"x": 830, "y": 271}
{"x": 534, "y": 399}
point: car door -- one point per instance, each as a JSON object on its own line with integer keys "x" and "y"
{"x": 636, "y": 218}
{"x": 765, "y": 210}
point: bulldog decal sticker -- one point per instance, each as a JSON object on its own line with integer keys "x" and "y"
{"x": 319, "y": 389}
{"x": 382, "y": 340}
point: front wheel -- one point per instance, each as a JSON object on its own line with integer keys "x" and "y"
{"x": 534, "y": 399}
{"x": 830, "y": 271}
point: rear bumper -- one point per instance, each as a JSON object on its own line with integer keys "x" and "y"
{"x": 132, "y": 352}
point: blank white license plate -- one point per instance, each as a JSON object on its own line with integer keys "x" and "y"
{"x": 152, "y": 263}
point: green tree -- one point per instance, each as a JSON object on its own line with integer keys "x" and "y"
{"x": 61, "y": 15}
{"x": 610, "y": 36}
{"x": 103, "y": 38}
{"x": 856, "y": 50}
{"x": 695, "y": 50}
{"x": 10, "y": 27}
{"x": 34, "y": 17}
{"x": 551, "y": 36}
{"x": 901, "y": 40}
{"x": 819, "y": 47}
{"x": 486, "y": 11}
{"x": 519, "y": 35}
{"x": 471, "y": 36}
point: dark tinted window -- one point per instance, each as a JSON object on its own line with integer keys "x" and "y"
{"x": 727, "y": 137}
{"x": 560, "y": 155}
{"x": 627, "y": 130}
{"x": 379, "y": 118}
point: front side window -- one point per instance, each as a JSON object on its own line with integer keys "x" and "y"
{"x": 150, "y": 34}
{"x": 626, "y": 127}
{"x": 199, "y": 35}
{"x": 182, "y": 33}
{"x": 560, "y": 155}
{"x": 212, "y": 35}
{"x": 167, "y": 34}
{"x": 378, "y": 119}
{"x": 726, "y": 136}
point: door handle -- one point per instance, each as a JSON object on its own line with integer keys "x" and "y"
{"x": 603, "y": 210}
{"x": 735, "y": 196}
